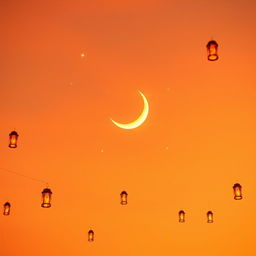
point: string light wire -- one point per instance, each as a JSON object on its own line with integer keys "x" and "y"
{"x": 24, "y": 176}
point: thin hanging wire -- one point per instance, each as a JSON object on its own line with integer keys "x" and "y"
{"x": 25, "y": 176}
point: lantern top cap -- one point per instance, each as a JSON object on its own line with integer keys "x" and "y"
{"x": 47, "y": 190}
{"x": 209, "y": 212}
{"x": 13, "y": 133}
{"x": 124, "y": 193}
{"x": 7, "y": 204}
{"x": 237, "y": 185}
{"x": 212, "y": 42}
{"x": 90, "y": 231}
{"x": 181, "y": 211}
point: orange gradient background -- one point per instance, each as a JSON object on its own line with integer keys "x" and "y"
{"x": 198, "y": 140}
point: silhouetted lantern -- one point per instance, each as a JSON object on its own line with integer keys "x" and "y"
{"x": 7, "y": 208}
{"x": 212, "y": 50}
{"x": 46, "y": 198}
{"x": 90, "y": 235}
{"x": 123, "y": 197}
{"x": 237, "y": 191}
{"x": 209, "y": 217}
{"x": 181, "y": 216}
{"x": 13, "y": 139}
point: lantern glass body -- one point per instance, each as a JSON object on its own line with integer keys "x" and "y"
{"x": 46, "y": 198}
{"x": 123, "y": 197}
{"x": 90, "y": 236}
{"x": 181, "y": 216}
{"x": 209, "y": 217}
{"x": 237, "y": 191}
{"x": 7, "y": 208}
{"x": 212, "y": 50}
{"x": 13, "y": 136}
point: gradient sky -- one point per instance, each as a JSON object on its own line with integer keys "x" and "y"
{"x": 198, "y": 140}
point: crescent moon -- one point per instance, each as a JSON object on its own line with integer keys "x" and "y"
{"x": 140, "y": 120}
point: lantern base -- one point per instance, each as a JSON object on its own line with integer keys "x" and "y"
{"x": 213, "y": 57}
{"x": 46, "y": 205}
{"x": 12, "y": 146}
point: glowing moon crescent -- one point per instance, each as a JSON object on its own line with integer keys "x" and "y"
{"x": 139, "y": 121}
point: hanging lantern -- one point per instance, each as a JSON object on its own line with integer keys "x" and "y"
{"x": 7, "y": 208}
{"x": 13, "y": 139}
{"x": 90, "y": 235}
{"x": 181, "y": 216}
{"x": 212, "y": 50}
{"x": 237, "y": 191}
{"x": 46, "y": 198}
{"x": 123, "y": 197}
{"x": 209, "y": 217}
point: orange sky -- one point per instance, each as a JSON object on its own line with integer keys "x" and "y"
{"x": 198, "y": 140}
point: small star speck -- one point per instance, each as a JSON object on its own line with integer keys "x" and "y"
{"x": 83, "y": 55}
